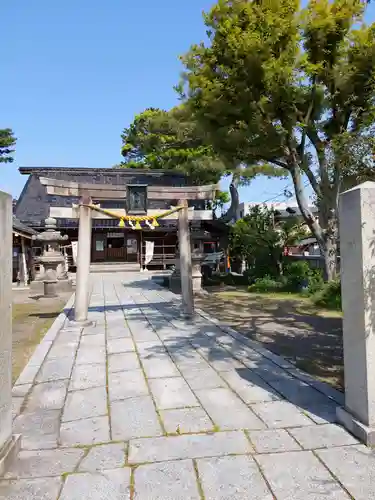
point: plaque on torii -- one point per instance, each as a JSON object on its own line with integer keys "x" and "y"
{"x": 87, "y": 192}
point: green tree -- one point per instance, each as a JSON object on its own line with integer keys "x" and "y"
{"x": 174, "y": 140}
{"x": 260, "y": 238}
{"x": 288, "y": 87}
{"x": 170, "y": 140}
{"x": 356, "y": 155}
{"x": 7, "y": 145}
{"x": 222, "y": 198}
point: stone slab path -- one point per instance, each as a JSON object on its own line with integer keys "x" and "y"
{"x": 145, "y": 405}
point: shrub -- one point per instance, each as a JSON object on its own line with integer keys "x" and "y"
{"x": 329, "y": 295}
{"x": 266, "y": 284}
{"x": 316, "y": 281}
{"x": 297, "y": 274}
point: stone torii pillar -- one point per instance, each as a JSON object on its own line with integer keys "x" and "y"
{"x": 185, "y": 260}
{"x": 357, "y": 249}
{"x": 83, "y": 263}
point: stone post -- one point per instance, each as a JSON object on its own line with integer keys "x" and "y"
{"x": 357, "y": 249}
{"x": 9, "y": 445}
{"x": 185, "y": 260}
{"x": 83, "y": 264}
{"x": 197, "y": 256}
{"x": 196, "y": 260}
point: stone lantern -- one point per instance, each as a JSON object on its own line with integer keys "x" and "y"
{"x": 54, "y": 278}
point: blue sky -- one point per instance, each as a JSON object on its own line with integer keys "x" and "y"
{"x": 76, "y": 72}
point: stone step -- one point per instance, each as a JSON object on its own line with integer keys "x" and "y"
{"x": 114, "y": 267}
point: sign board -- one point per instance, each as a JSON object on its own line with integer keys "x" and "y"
{"x": 99, "y": 245}
{"x": 115, "y": 235}
{"x": 132, "y": 245}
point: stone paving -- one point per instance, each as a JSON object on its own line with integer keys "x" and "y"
{"x": 145, "y": 405}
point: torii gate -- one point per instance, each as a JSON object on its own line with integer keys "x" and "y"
{"x": 88, "y": 192}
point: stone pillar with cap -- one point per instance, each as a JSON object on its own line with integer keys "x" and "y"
{"x": 357, "y": 252}
{"x": 9, "y": 444}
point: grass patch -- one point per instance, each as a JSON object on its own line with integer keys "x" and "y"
{"x": 288, "y": 324}
{"x": 297, "y": 301}
{"x": 30, "y": 322}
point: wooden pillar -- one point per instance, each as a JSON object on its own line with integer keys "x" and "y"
{"x": 83, "y": 263}
{"x": 141, "y": 251}
{"x": 25, "y": 274}
{"x": 163, "y": 253}
{"x": 185, "y": 260}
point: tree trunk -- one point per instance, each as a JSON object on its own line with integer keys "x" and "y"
{"x": 328, "y": 219}
{"x": 231, "y": 214}
{"x": 324, "y": 230}
{"x": 330, "y": 259}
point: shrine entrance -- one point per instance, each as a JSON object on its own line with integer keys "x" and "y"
{"x": 116, "y": 246}
{"x": 129, "y": 223}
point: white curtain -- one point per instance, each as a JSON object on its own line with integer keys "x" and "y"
{"x": 149, "y": 251}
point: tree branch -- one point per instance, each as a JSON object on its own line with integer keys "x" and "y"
{"x": 279, "y": 163}
{"x": 312, "y": 179}
{"x": 302, "y": 201}
{"x": 303, "y": 205}
{"x": 318, "y": 144}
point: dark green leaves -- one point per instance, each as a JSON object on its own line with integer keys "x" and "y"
{"x": 7, "y": 145}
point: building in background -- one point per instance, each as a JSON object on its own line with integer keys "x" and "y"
{"x": 111, "y": 243}
{"x": 283, "y": 210}
{"x": 22, "y": 252}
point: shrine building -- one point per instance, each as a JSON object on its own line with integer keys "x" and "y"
{"x": 111, "y": 243}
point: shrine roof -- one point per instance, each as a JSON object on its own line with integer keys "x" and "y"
{"x": 20, "y": 227}
{"x": 112, "y": 176}
{"x": 103, "y": 171}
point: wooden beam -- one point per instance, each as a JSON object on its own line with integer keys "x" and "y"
{"x": 17, "y": 232}
{"x": 107, "y": 192}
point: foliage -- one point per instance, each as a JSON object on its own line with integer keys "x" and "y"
{"x": 266, "y": 284}
{"x": 7, "y": 144}
{"x": 255, "y": 240}
{"x": 297, "y": 274}
{"x": 175, "y": 140}
{"x": 356, "y": 153}
{"x": 329, "y": 295}
{"x": 326, "y": 295}
{"x": 259, "y": 239}
{"x": 316, "y": 281}
{"x": 289, "y": 88}
{"x": 170, "y": 140}
{"x": 222, "y": 198}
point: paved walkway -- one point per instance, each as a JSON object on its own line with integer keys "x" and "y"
{"x": 144, "y": 405}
